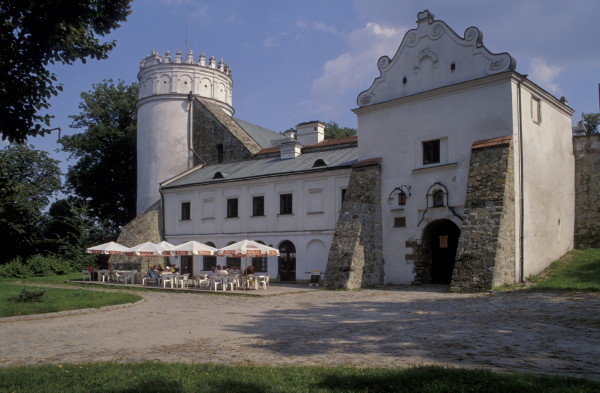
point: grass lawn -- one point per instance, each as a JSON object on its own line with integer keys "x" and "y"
{"x": 182, "y": 378}
{"x": 578, "y": 270}
{"x": 57, "y": 299}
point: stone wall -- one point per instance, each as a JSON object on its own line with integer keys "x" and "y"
{"x": 486, "y": 248}
{"x": 212, "y": 127}
{"x": 356, "y": 254}
{"x": 144, "y": 228}
{"x": 587, "y": 191}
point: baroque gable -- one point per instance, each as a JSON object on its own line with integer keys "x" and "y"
{"x": 433, "y": 56}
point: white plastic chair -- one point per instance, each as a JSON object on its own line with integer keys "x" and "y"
{"x": 147, "y": 280}
{"x": 201, "y": 280}
{"x": 182, "y": 280}
{"x": 215, "y": 281}
{"x": 86, "y": 274}
{"x": 166, "y": 278}
{"x": 263, "y": 281}
{"x": 119, "y": 276}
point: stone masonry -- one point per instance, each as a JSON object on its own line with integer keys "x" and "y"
{"x": 213, "y": 127}
{"x": 587, "y": 191}
{"x": 144, "y": 228}
{"x": 486, "y": 248}
{"x": 355, "y": 258}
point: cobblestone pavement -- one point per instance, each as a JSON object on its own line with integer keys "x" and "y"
{"x": 553, "y": 333}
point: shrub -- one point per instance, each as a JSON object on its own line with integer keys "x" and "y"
{"x": 29, "y": 296}
{"x": 15, "y": 269}
{"x": 42, "y": 265}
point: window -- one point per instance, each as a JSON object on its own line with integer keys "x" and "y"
{"x": 431, "y": 152}
{"x": 438, "y": 198}
{"x": 285, "y": 204}
{"x": 258, "y": 206}
{"x": 232, "y": 208}
{"x": 401, "y": 198}
{"x": 187, "y": 264}
{"x": 209, "y": 260}
{"x": 399, "y": 222}
{"x": 343, "y": 194}
{"x": 186, "y": 211}
{"x": 220, "y": 153}
{"x": 536, "y": 110}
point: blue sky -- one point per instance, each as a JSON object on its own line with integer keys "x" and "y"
{"x": 301, "y": 60}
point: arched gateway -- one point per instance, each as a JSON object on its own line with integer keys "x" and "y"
{"x": 440, "y": 241}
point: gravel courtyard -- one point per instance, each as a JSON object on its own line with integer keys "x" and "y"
{"x": 553, "y": 333}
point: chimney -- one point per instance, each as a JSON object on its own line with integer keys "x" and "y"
{"x": 290, "y": 149}
{"x": 310, "y": 133}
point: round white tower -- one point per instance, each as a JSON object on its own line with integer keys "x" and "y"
{"x": 164, "y": 116}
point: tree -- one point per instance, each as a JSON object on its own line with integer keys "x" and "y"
{"x": 591, "y": 121}
{"x": 69, "y": 230}
{"x": 35, "y": 34}
{"x": 334, "y": 131}
{"x": 28, "y": 180}
{"x": 104, "y": 176}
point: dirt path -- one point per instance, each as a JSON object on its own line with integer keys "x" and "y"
{"x": 534, "y": 332}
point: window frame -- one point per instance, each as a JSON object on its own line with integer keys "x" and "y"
{"x": 431, "y": 148}
{"x": 232, "y": 208}
{"x": 258, "y": 209}
{"x": 187, "y": 209}
{"x": 286, "y": 204}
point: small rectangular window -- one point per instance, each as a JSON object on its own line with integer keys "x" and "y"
{"x": 399, "y": 222}
{"x": 285, "y": 204}
{"x": 343, "y": 194}
{"x": 258, "y": 206}
{"x": 186, "y": 211}
{"x": 232, "y": 208}
{"x": 536, "y": 110}
{"x": 431, "y": 152}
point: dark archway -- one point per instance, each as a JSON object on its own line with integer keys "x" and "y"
{"x": 441, "y": 239}
{"x": 287, "y": 261}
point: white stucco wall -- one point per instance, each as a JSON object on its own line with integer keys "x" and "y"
{"x": 458, "y": 115}
{"x": 161, "y": 144}
{"x": 548, "y": 177}
{"x": 316, "y": 204}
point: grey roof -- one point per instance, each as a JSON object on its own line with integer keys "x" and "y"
{"x": 264, "y": 167}
{"x": 262, "y": 136}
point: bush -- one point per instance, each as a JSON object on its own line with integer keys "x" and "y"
{"x": 42, "y": 265}
{"x": 28, "y": 296}
{"x": 15, "y": 269}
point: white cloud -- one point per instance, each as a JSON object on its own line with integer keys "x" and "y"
{"x": 271, "y": 42}
{"x": 545, "y": 75}
{"x": 353, "y": 71}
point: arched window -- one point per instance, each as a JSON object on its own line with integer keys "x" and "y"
{"x": 438, "y": 198}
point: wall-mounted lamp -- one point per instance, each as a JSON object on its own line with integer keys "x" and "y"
{"x": 403, "y": 192}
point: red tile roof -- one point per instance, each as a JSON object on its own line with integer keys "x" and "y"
{"x": 326, "y": 142}
{"x": 367, "y": 162}
{"x": 503, "y": 140}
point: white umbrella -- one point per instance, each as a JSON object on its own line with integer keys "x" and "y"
{"x": 147, "y": 249}
{"x": 165, "y": 245}
{"x": 107, "y": 248}
{"x": 191, "y": 248}
{"x": 247, "y": 248}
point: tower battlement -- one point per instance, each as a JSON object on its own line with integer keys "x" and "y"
{"x": 160, "y": 76}
{"x": 154, "y": 59}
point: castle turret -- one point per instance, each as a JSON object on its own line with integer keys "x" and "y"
{"x": 167, "y": 87}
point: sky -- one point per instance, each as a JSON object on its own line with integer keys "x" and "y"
{"x": 300, "y": 60}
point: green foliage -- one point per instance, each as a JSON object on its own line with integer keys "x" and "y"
{"x": 334, "y": 131}
{"x": 591, "y": 120}
{"x": 211, "y": 378}
{"x": 35, "y": 34}
{"x": 69, "y": 230}
{"x": 28, "y": 179}
{"x": 105, "y": 173}
{"x": 41, "y": 265}
{"x": 15, "y": 269}
{"x": 59, "y": 299}
{"x": 28, "y": 296}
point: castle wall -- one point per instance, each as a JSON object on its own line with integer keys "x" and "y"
{"x": 356, "y": 254}
{"x": 486, "y": 250}
{"x": 587, "y": 191}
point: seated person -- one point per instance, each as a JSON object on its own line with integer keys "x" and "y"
{"x": 213, "y": 271}
{"x": 159, "y": 269}
{"x": 152, "y": 272}
{"x": 221, "y": 271}
{"x": 174, "y": 269}
{"x": 249, "y": 270}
